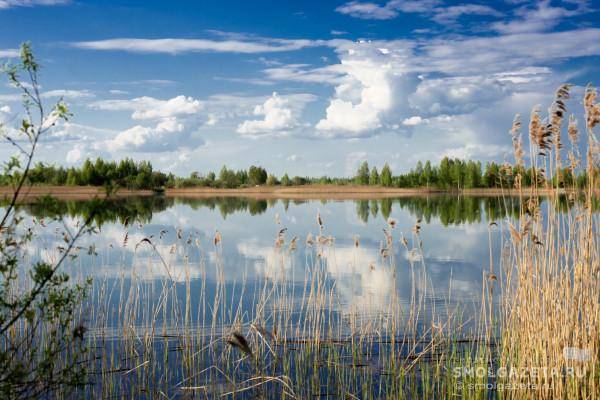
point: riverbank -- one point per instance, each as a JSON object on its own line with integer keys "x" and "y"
{"x": 305, "y": 192}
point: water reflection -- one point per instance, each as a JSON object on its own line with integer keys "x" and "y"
{"x": 448, "y": 210}
{"x": 444, "y": 263}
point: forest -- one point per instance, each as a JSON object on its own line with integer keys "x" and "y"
{"x": 448, "y": 174}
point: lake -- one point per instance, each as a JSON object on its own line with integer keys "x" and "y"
{"x": 174, "y": 277}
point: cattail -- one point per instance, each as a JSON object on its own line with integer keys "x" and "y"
{"x": 388, "y": 237}
{"x": 404, "y": 241}
{"x": 573, "y": 134}
{"x": 294, "y": 243}
{"x": 384, "y": 253}
{"x": 392, "y": 222}
{"x": 356, "y": 242}
{"x": 417, "y": 228}
{"x": 179, "y": 233}
{"x": 592, "y": 110}
{"x": 125, "y": 239}
{"x": 217, "y": 240}
{"x": 319, "y": 220}
{"x": 572, "y": 130}
{"x": 540, "y": 132}
{"x": 515, "y": 132}
{"x": 239, "y": 341}
{"x": 309, "y": 240}
{"x": 557, "y": 113}
{"x": 280, "y": 241}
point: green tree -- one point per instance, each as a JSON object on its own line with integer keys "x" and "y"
{"x": 257, "y": 175}
{"x": 386, "y": 176}
{"x": 362, "y": 175}
{"x": 374, "y": 178}
{"x": 227, "y": 178}
{"x": 285, "y": 180}
{"x": 271, "y": 180}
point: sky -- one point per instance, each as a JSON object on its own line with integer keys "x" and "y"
{"x": 310, "y": 88}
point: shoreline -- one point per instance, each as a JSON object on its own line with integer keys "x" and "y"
{"x": 305, "y": 192}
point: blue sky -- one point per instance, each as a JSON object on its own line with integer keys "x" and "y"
{"x": 310, "y": 88}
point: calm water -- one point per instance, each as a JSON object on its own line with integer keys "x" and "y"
{"x": 186, "y": 294}
{"x": 455, "y": 242}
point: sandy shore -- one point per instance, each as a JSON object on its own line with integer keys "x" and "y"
{"x": 333, "y": 192}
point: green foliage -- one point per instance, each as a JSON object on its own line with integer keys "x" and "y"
{"x": 272, "y": 180}
{"x": 42, "y": 344}
{"x": 374, "y": 177}
{"x": 285, "y": 180}
{"x": 257, "y": 175}
{"x": 362, "y": 175}
{"x": 386, "y": 176}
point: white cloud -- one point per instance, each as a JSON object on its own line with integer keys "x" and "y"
{"x": 455, "y": 95}
{"x": 173, "y": 122}
{"x": 391, "y": 9}
{"x": 366, "y": 10}
{"x": 177, "y": 46}
{"x": 212, "y": 120}
{"x": 8, "y": 53}
{"x": 476, "y": 151}
{"x": 73, "y": 155}
{"x": 151, "y": 108}
{"x": 542, "y": 17}
{"x": 278, "y": 118}
{"x": 303, "y": 73}
{"x": 5, "y": 4}
{"x": 413, "y": 121}
{"x": 449, "y": 15}
{"x": 364, "y": 94}
{"x": 67, "y": 94}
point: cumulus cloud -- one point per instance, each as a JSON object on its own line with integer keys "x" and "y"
{"x": 278, "y": 117}
{"x": 455, "y": 95}
{"x": 73, "y": 155}
{"x": 365, "y": 93}
{"x": 169, "y": 123}
{"x": 151, "y": 108}
{"x": 413, "y": 121}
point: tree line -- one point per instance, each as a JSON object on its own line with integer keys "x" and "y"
{"x": 448, "y": 174}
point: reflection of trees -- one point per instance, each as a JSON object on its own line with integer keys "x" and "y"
{"x": 362, "y": 210}
{"x": 448, "y": 209}
{"x": 130, "y": 209}
{"x": 227, "y": 205}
